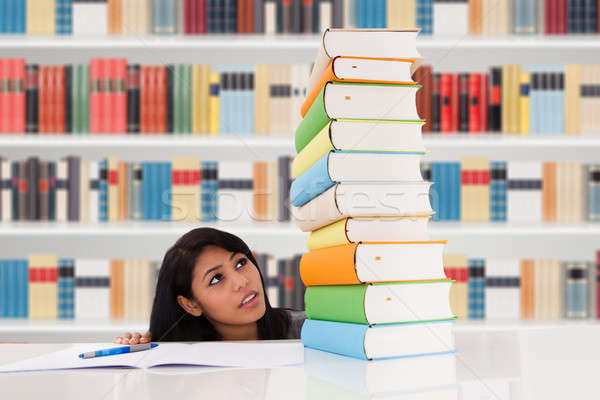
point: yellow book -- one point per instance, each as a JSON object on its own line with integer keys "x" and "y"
{"x": 506, "y": 96}
{"x": 43, "y": 290}
{"x": 475, "y": 193}
{"x": 40, "y": 17}
{"x": 213, "y": 122}
{"x": 515, "y": 117}
{"x": 312, "y": 152}
{"x": 262, "y": 110}
{"x": 185, "y": 189}
{"x": 401, "y": 14}
{"x": 113, "y": 189}
{"x": 524, "y": 104}
{"x": 455, "y": 266}
{"x": 200, "y": 96}
{"x": 572, "y": 99}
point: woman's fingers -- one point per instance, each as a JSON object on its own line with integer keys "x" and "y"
{"x": 117, "y": 339}
{"x": 127, "y": 335}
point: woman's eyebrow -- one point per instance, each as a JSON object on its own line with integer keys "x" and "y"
{"x": 208, "y": 271}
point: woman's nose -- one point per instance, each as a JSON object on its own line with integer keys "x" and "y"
{"x": 239, "y": 280}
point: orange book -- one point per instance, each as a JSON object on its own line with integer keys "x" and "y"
{"x": 259, "y": 172}
{"x": 43, "y": 99}
{"x": 357, "y": 263}
{"x": 116, "y": 289}
{"x": 16, "y": 95}
{"x": 349, "y": 69}
{"x": 527, "y": 289}
{"x": 475, "y": 17}
{"x": 161, "y": 100}
{"x": 145, "y": 98}
{"x": 59, "y": 99}
{"x": 549, "y": 191}
{"x": 115, "y": 9}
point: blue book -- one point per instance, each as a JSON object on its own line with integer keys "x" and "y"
{"x": 20, "y": 13}
{"x": 146, "y": 191}
{"x": 3, "y": 16}
{"x": 498, "y": 191}
{"x": 66, "y": 288}
{"x": 444, "y": 186}
{"x": 9, "y": 15}
{"x": 436, "y": 191}
{"x": 534, "y": 112}
{"x": 3, "y": 288}
{"x": 155, "y": 191}
{"x": 424, "y": 16}
{"x": 23, "y": 303}
{"x": 456, "y": 198}
{"x": 591, "y": 13}
{"x": 377, "y": 342}
{"x": 64, "y": 17}
{"x": 230, "y": 16}
{"x": 594, "y": 193}
{"x": 476, "y": 288}
{"x": 164, "y": 17}
{"x": 363, "y": 12}
{"x": 355, "y": 166}
{"x": 12, "y": 288}
{"x": 560, "y": 101}
{"x": 210, "y": 191}
{"x": 381, "y": 14}
{"x": 103, "y": 191}
{"x": 576, "y": 296}
{"x": 165, "y": 201}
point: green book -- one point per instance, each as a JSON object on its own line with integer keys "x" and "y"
{"x": 186, "y": 98}
{"x": 177, "y": 98}
{"x": 380, "y": 303}
{"x": 84, "y": 98}
{"x": 379, "y": 101}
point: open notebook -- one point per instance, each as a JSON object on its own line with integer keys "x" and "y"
{"x": 222, "y": 354}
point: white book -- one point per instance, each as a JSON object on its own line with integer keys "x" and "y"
{"x": 364, "y": 200}
{"x": 84, "y": 191}
{"x": 524, "y": 194}
{"x": 502, "y": 292}
{"x": 92, "y": 290}
{"x": 450, "y": 18}
{"x": 235, "y": 196}
{"x": 90, "y": 18}
{"x": 94, "y": 192}
{"x": 270, "y": 17}
{"x": 61, "y": 192}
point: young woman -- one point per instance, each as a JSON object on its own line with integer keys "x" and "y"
{"x": 210, "y": 288}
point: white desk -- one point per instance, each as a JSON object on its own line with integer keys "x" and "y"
{"x": 558, "y": 363}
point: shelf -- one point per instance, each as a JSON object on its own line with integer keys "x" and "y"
{"x": 584, "y": 148}
{"x": 137, "y": 239}
{"x": 447, "y": 53}
{"x": 58, "y": 331}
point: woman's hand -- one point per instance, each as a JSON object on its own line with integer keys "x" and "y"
{"x": 129, "y": 339}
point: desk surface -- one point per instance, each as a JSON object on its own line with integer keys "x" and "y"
{"x": 531, "y": 364}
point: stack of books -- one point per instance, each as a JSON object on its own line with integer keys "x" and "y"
{"x": 376, "y": 286}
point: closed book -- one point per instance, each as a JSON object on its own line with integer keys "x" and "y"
{"x": 133, "y": 98}
{"x": 43, "y": 291}
{"x": 593, "y": 200}
{"x": 369, "y": 229}
{"x": 524, "y": 194}
{"x": 185, "y": 192}
{"x": 577, "y": 286}
{"x": 385, "y": 199}
{"x": 235, "y": 193}
{"x": 360, "y": 69}
{"x": 92, "y": 289}
{"x": 502, "y": 289}
{"x": 32, "y": 189}
{"x": 368, "y": 262}
{"x": 476, "y": 288}
{"x": 5, "y": 191}
{"x": 354, "y": 166}
{"x": 455, "y": 20}
{"x": 498, "y": 188}
{"x": 31, "y": 98}
{"x": 456, "y": 268}
{"x": 380, "y": 341}
{"x": 209, "y": 191}
{"x": 90, "y": 17}
{"x": 351, "y": 100}
{"x": 372, "y": 135}
{"x": 380, "y": 303}
{"x": 115, "y": 16}
{"x": 527, "y": 293}
{"x": 66, "y": 288}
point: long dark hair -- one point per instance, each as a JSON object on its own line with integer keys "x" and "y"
{"x": 170, "y": 322}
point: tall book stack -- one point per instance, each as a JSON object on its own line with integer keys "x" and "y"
{"x": 376, "y": 286}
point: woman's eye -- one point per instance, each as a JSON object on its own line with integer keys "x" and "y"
{"x": 241, "y": 262}
{"x": 216, "y": 279}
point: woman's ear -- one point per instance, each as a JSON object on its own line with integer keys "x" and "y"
{"x": 191, "y": 306}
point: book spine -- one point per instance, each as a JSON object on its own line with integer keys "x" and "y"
{"x": 495, "y": 102}
{"x": 463, "y": 104}
{"x": 230, "y": 16}
{"x": 498, "y": 191}
{"x": 64, "y": 17}
{"x": 476, "y": 288}
{"x": 576, "y": 299}
{"x": 311, "y": 183}
{"x": 445, "y": 102}
{"x": 209, "y": 191}
{"x": 594, "y": 193}
{"x": 474, "y": 103}
{"x": 436, "y": 103}
{"x": 33, "y": 183}
{"x": 425, "y": 16}
{"x": 31, "y": 98}
{"x": 340, "y": 338}
{"x": 133, "y": 98}
{"x": 259, "y": 16}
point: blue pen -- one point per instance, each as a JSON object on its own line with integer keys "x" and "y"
{"x": 118, "y": 350}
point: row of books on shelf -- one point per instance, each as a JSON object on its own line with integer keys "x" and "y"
{"x": 511, "y": 98}
{"x": 46, "y": 286}
{"x": 110, "y": 96}
{"x": 188, "y": 189}
{"x": 184, "y": 189}
{"x": 295, "y": 16}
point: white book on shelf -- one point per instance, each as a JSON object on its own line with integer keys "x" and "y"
{"x": 235, "y": 194}
{"x": 92, "y": 290}
{"x": 524, "y": 192}
{"x": 94, "y": 192}
{"x": 502, "y": 291}
{"x": 90, "y": 18}
{"x": 450, "y": 18}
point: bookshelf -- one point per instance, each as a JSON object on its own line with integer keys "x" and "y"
{"x": 584, "y": 148}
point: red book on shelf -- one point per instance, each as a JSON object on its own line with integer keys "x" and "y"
{"x": 445, "y": 102}
{"x": 189, "y": 11}
{"x": 484, "y": 102}
{"x": 241, "y": 17}
{"x": 119, "y": 95}
{"x": 455, "y": 102}
{"x": 106, "y": 116}
{"x": 4, "y": 112}
{"x": 598, "y": 284}
{"x": 18, "y": 96}
{"x": 161, "y": 99}
{"x": 50, "y": 99}
{"x": 250, "y": 16}
{"x": 94, "y": 96}
{"x": 561, "y": 16}
{"x": 143, "y": 99}
{"x": 474, "y": 85}
{"x": 549, "y": 20}
{"x": 59, "y": 93}
{"x": 200, "y": 16}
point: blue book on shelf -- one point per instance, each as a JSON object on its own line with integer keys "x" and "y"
{"x": 444, "y": 191}
{"x": 66, "y": 288}
{"x": 363, "y": 10}
{"x": 576, "y": 297}
{"x": 560, "y": 101}
{"x": 155, "y": 193}
{"x": 498, "y": 191}
{"x": 3, "y": 16}
{"x": 534, "y": 108}
{"x": 381, "y": 14}
{"x": 103, "y": 191}
{"x": 13, "y": 289}
{"x": 594, "y": 193}
{"x": 424, "y": 17}
{"x": 146, "y": 190}
{"x": 3, "y": 289}
{"x": 164, "y": 16}
{"x": 591, "y": 20}
{"x": 476, "y": 288}
{"x": 209, "y": 191}
{"x": 165, "y": 200}
{"x": 456, "y": 198}
{"x": 436, "y": 191}
{"x": 7, "y": 15}
{"x": 20, "y": 12}
{"x": 23, "y": 285}
{"x": 249, "y": 95}
{"x": 63, "y": 17}
{"x": 348, "y": 339}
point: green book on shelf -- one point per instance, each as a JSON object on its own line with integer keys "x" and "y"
{"x": 341, "y": 100}
{"x": 84, "y": 98}
{"x": 186, "y": 98}
{"x": 380, "y": 303}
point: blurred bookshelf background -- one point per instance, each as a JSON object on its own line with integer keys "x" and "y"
{"x": 106, "y": 105}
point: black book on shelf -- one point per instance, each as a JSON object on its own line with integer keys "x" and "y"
{"x": 31, "y": 98}
{"x": 15, "y": 189}
{"x": 73, "y": 184}
{"x": 435, "y": 103}
{"x": 495, "y": 101}
{"x": 133, "y": 98}
{"x": 463, "y": 120}
{"x": 259, "y": 16}
{"x": 33, "y": 183}
{"x": 52, "y": 190}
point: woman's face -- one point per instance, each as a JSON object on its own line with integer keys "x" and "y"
{"x": 228, "y": 287}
